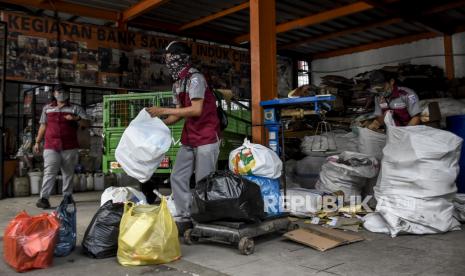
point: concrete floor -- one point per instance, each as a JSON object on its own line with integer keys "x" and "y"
{"x": 378, "y": 255}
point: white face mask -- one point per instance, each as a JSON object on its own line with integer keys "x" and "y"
{"x": 61, "y": 96}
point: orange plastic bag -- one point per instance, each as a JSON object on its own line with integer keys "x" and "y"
{"x": 29, "y": 241}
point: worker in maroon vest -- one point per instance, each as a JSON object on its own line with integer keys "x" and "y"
{"x": 58, "y": 125}
{"x": 402, "y": 101}
{"x": 196, "y": 104}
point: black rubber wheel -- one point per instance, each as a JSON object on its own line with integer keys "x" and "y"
{"x": 246, "y": 246}
{"x": 188, "y": 238}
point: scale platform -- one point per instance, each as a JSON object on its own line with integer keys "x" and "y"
{"x": 239, "y": 233}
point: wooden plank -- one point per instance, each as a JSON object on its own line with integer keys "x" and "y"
{"x": 262, "y": 60}
{"x": 140, "y": 8}
{"x": 343, "y": 32}
{"x": 67, "y": 7}
{"x": 214, "y": 16}
{"x": 315, "y": 19}
{"x": 449, "y": 57}
{"x": 376, "y": 45}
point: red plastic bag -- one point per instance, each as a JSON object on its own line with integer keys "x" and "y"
{"x": 29, "y": 241}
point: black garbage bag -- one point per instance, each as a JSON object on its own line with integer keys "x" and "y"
{"x": 66, "y": 240}
{"x": 225, "y": 196}
{"x": 101, "y": 237}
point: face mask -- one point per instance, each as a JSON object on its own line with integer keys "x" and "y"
{"x": 61, "y": 97}
{"x": 176, "y": 63}
{"x": 380, "y": 90}
{"x": 387, "y": 92}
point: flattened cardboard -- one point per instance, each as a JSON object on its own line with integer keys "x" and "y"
{"x": 321, "y": 238}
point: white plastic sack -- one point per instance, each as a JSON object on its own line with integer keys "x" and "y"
{"x": 375, "y": 223}
{"x": 121, "y": 195}
{"x": 302, "y": 202}
{"x": 307, "y": 171}
{"x": 143, "y": 146}
{"x": 459, "y": 204}
{"x": 255, "y": 159}
{"x": 371, "y": 142}
{"x": 336, "y": 176}
{"x": 171, "y": 206}
{"x": 416, "y": 185}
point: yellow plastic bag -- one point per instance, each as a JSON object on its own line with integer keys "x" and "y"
{"x": 148, "y": 235}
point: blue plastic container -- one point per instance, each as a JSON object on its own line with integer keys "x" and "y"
{"x": 456, "y": 125}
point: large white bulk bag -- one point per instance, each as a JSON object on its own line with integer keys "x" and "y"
{"x": 143, "y": 146}
{"x": 416, "y": 185}
{"x": 371, "y": 142}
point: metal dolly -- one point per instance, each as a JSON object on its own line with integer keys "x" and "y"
{"x": 237, "y": 233}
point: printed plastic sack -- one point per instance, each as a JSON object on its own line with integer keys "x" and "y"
{"x": 121, "y": 195}
{"x": 101, "y": 237}
{"x": 29, "y": 241}
{"x": 416, "y": 185}
{"x": 66, "y": 213}
{"x": 347, "y": 172}
{"x": 271, "y": 193}
{"x": 143, "y": 146}
{"x": 223, "y": 195}
{"x": 148, "y": 235}
{"x": 255, "y": 159}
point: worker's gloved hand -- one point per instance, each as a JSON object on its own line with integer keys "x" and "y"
{"x": 374, "y": 125}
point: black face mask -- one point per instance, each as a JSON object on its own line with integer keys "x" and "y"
{"x": 176, "y": 63}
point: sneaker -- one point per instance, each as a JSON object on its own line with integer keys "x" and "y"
{"x": 43, "y": 203}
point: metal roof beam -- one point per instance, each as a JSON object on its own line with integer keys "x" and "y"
{"x": 344, "y": 32}
{"x": 140, "y": 8}
{"x": 371, "y": 25}
{"x": 154, "y": 25}
{"x": 214, "y": 16}
{"x": 61, "y": 6}
{"x": 73, "y": 18}
{"x": 376, "y": 45}
{"x": 416, "y": 16}
{"x": 446, "y": 7}
{"x": 315, "y": 19}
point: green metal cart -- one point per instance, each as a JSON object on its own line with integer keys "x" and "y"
{"x": 119, "y": 110}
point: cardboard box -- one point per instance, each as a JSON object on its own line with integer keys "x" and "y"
{"x": 321, "y": 238}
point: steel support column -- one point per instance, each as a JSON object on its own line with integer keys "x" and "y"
{"x": 262, "y": 59}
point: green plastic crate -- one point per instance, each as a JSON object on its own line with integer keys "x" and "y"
{"x": 120, "y": 110}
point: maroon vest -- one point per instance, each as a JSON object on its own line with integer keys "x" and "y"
{"x": 61, "y": 134}
{"x": 204, "y": 129}
{"x": 401, "y": 116}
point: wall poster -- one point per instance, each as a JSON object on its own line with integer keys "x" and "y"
{"x": 46, "y": 50}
